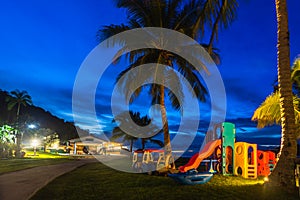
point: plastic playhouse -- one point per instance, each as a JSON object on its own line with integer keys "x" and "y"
{"x": 230, "y": 158}
{"x": 149, "y": 160}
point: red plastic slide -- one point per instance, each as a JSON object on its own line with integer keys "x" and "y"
{"x": 196, "y": 159}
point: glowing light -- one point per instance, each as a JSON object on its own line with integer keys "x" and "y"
{"x": 34, "y": 142}
{"x": 266, "y": 179}
{"x": 55, "y": 146}
{"x": 31, "y": 126}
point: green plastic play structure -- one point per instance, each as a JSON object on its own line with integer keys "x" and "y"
{"x": 228, "y": 140}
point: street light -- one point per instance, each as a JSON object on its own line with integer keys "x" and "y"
{"x": 31, "y": 126}
{"x": 34, "y": 143}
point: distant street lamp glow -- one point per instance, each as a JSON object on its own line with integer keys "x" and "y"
{"x": 31, "y": 126}
{"x": 34, "y": 143}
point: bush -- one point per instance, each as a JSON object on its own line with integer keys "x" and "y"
{"x": 7, "y": 149}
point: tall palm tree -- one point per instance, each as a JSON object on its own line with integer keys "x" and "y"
{"x": 283, "y": 173}
{"x": 18, "y": 98}
{"x": 187, "y": 17}
{"x": 296, "y": 76}
{"x": 268, "y": 113}
{"x": 224, "y": 13}
{"x": 118, "y": 133}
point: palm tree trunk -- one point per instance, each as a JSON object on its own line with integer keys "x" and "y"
{"x": 18, "y": 134}
{"x": 283, "y": 174}
{"x": 131, "y": 145}
{"x": 143, "y": 143}
{"x": 167, "y": 141}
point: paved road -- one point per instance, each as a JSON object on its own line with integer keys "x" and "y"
{"x": 22, "y": 185}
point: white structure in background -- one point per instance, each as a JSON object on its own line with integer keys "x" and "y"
{"x": 93, "y": 145}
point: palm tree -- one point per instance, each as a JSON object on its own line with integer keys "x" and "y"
{"x": 141, "y": 121}
{"x": 283, "y": 174}
{"x": 118, "y": 133}
{"x": 268, "y": 113}
{"x": 296, "y": 76}
{"x": 188, "y": 17}
{"x": 224, "y": 13}
{"x": 18, "y": 98}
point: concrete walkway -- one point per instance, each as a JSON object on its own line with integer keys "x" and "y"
{"x": 22, "y": 185}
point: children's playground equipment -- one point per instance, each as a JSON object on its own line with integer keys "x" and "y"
{"x": 149, "y": 160}
{"x": 192, "y": 177}
{"x": 226, "y": 157}
{"x": 245, "y": 162}
{"x": 266, "y": 161}
{"x": 228, "y": 139}
{"x": 196, "y": 159}
{"x": 232, "y": 158}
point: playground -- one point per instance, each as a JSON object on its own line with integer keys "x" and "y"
{"x": 221, "y": 154}
{"x": 97, "y": 181}
{"x": 223, "y": 169}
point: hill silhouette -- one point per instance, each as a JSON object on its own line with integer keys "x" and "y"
{"x": 36, "y": 115}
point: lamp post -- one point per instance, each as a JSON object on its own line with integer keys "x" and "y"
{"x": 34, "y": 143}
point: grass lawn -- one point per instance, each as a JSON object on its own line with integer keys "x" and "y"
{"x": 41, "y": 158}
{"x": 41, "y": 154}
{"x": 96, "y": 181}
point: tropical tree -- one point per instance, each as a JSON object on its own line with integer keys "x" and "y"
{"x": 187, "y": 17}
{"x": 296, "y": 76}
{"x": 7, "y": 134}
{"x": 118, "y": 133}
{"x": 283, "y": 174}
{"x": 51, "y": 139}
{"x": 18, "y": 98}
{"x": 7, "y": 138}
{"x": 223, "y": 13}
{"x": 268, "y": 113}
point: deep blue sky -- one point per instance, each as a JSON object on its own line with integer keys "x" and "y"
{"x": 43, "y": 44}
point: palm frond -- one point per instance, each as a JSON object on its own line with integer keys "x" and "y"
{"x": 268, "y": 113}
{"x": 296, "y": 73}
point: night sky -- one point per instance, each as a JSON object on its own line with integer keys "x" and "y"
{"x": 43, "y": 44}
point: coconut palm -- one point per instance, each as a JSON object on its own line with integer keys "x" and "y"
{"x": 283, "y": 173}
{"x": 118, "y": 133}
{"x": 296, "y": 76}
{"x": 188, "y": 17}
{"x": 18, "y": 98}
{"x": 224, "y": 12}
{"x": 268, "y": 113}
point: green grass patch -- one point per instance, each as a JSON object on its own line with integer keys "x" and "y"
{"x": 29, "y": 161}
{"x": 41, "y": 154}
{"x": 97, "y": 181}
